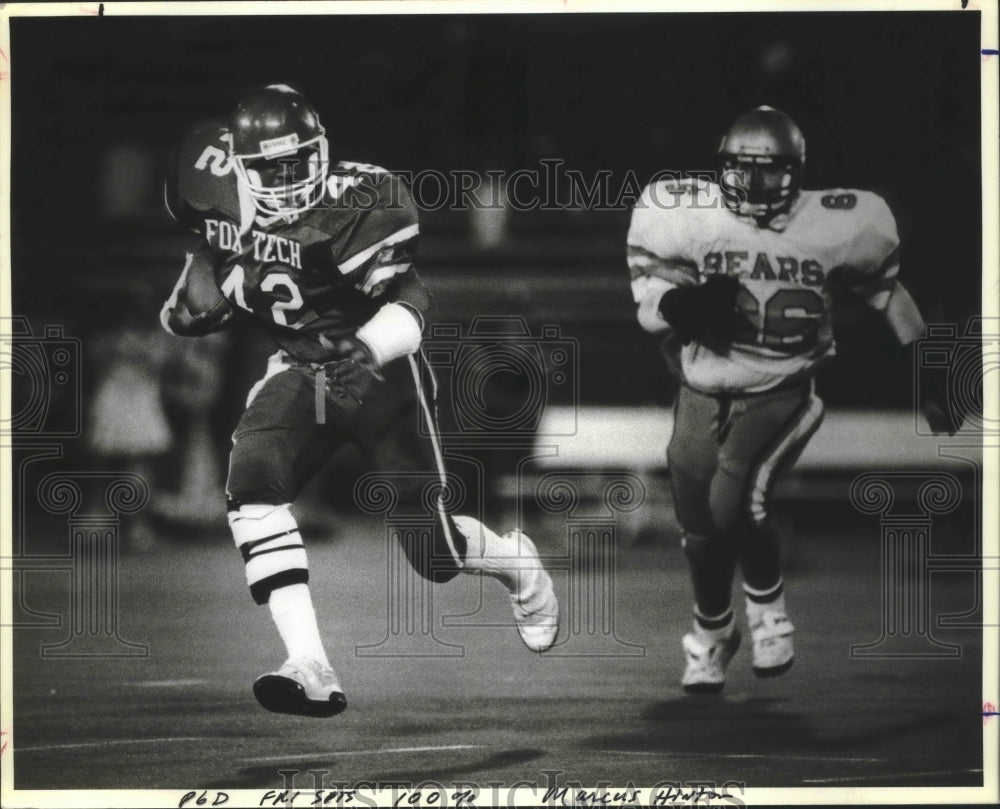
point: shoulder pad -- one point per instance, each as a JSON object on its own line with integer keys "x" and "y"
{"x": 680, "y": 193}
{"x": 360, "y": 169}
{"x": 360, "y": 187}
{"x": 346, "y": 175}
{"x": 863, "y": 220}
{"x": 849, "y": 200}
{"x": 672, "y": 222}
{"x": 200, "y": 180}
{"x": 864, "y": 209}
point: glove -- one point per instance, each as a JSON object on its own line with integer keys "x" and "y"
{"x": 704, "y": 312}
{"x": 357, "y": 353}
{"x": 936, "y": 404}
{"x": 347, "y": 381}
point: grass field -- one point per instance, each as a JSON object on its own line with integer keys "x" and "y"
{"x": 466, "y": 702}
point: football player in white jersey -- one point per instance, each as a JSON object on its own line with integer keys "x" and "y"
{"x": 737, "y": 277}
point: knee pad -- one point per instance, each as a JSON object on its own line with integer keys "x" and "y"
{"x": 272, "y": 548}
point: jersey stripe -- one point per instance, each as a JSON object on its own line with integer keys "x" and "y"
{"x": 382, "y": 274}
{"x": 643, "y": 262}
{"x": 360, "y": 258}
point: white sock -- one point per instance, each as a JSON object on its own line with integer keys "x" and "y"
{"x": 293, "y": 614}
{"x": 510, "y": 559}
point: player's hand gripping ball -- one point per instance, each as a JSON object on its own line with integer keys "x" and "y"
{"x": 703, "y": 312}
{"x": 203, "y": 297}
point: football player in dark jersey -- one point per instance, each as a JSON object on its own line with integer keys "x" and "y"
{"x": 738, "y": 279}
{"x": 321, "y": 256}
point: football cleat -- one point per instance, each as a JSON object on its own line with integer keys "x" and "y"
{"x": 536, "y": 608}
{"x": 771, "y": 631}
{"x": 707, "y": 658}
{"x": 302, "y": 687}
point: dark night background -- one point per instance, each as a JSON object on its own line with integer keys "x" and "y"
{"x": 887, "y": 101}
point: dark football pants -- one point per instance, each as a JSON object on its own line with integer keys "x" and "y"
{"x": 725, "y": 455}
{"x": 288, "y": 433}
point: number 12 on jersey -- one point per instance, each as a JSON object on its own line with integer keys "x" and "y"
{"x": 282, "y": 308}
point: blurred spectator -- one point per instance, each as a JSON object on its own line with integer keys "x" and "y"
{"x": 192, "y": 384}
{"x": 489, "y": 214}
{"x": 127, "y": 427}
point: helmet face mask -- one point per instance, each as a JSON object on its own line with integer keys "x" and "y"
{"x": 286, "y": 185}
{"x": 280, "y": 151}
{"x": 761, "y": 161}
{"x": 760, "y": 187}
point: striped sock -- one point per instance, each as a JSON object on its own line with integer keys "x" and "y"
{"x": 718, "y": 627}
{"x": 772, "y": 595}
{"x": 277, "y": 572}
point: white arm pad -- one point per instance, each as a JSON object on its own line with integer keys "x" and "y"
{"x": 393, "y": 332}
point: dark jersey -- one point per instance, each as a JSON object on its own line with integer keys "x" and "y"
{"x": 309, "y": 278}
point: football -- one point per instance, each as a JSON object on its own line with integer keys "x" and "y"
{"x": 202, "y": 294}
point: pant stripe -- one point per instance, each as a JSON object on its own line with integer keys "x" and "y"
{"x": 429, "y": 420}
{"x": 796, "y": 435}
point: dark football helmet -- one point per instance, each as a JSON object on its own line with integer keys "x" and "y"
{"x": 279, "y": 150}
{"x": 761, "y": 159}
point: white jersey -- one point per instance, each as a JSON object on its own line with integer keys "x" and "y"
{"x": 682, "y": 233}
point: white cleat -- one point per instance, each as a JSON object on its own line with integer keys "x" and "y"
{"x": 707, "y": 658}
{"x": 771, "y": 630}
{"x": 302, "y": 687}
{"x": 536, "y": 608}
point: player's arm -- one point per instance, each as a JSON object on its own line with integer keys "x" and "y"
{"x": 907, "y": 324}
{"x": 668, "y": 290}
{"x": 381, "y": 262}
{"x": 196, "y": 306}
{"x": 903, "y": 316}
{"x": 656, "y": 263}
{"x": 873, "y": 274}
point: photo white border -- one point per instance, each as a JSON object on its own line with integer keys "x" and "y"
{"x": 990, "y": 88}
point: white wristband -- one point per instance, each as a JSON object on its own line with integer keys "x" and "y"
{"x": 392, "y": 332}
